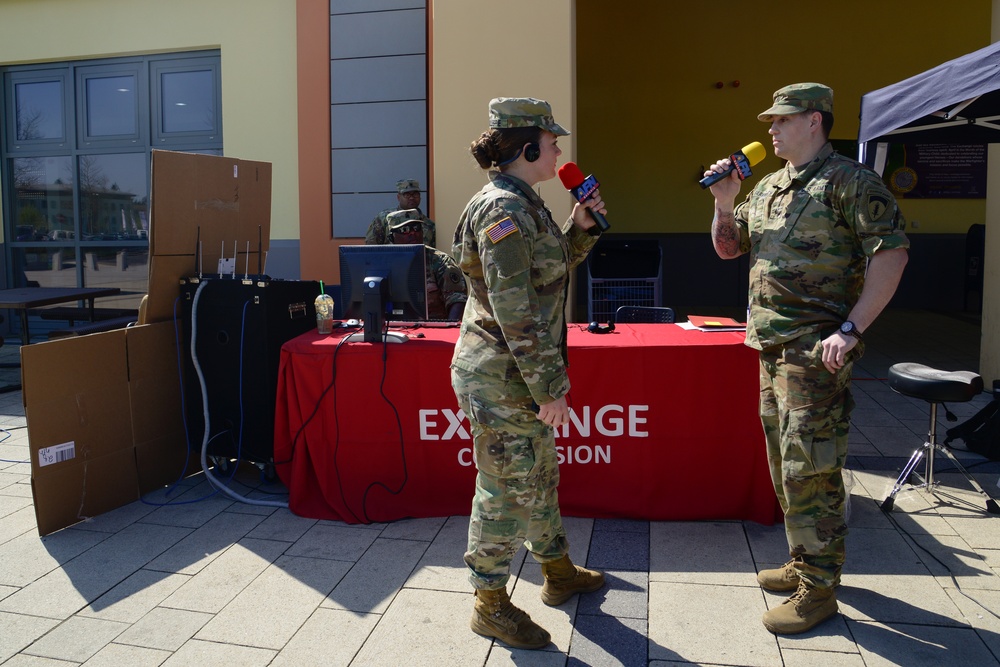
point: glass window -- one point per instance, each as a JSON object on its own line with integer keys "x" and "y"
{"x": 113, "y": 197}
{"x": 38, "y": 111}
{"x": 44, "y": 266}
{"x": 76, "y": 150}
{"x": 124, "y": 267}
{"x": 111, "y": 106}
{"x": 43, "y": 198}
{"x": 188, "y": 100}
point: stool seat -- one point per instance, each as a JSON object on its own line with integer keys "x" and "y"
{"x": 933, "y": 385}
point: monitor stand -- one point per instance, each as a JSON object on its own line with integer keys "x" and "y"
{"x": 387, "y": 337}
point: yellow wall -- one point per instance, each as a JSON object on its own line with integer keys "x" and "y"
{"x": 650, "y": 116}
{"x": 480, "y": 50}
{"x": 257, "y": 42}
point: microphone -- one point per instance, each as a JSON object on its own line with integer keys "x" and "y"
{"x": 742, "y": 159}
{"x": 582, "y": 188}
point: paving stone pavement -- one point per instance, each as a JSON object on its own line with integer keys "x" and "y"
{"x": 218, "y": 582}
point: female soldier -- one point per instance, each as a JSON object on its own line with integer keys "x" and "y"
{"x": 509, "y": 367}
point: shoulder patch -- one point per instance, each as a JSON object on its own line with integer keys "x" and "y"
{"x": 501, "y": 229}
{"x": 877, "y": 205}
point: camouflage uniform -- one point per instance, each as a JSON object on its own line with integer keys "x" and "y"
{"x": 378, "y": 230}
{"x": 512, "y": 352}
{"x": 810, "y": 231}
{"x": 445, "y": 282}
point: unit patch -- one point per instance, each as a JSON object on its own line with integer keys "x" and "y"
{"x": 877, "y": 205}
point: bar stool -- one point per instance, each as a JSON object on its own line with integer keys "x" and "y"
{"x": 934, "y": 386}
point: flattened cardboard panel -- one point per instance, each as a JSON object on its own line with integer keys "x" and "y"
{"x": 223, "y": 203}
{"x": 168, "y": 269}
{"x": 74, "y": 493}
{"x": 76, "y": 389}
{"x": 154, "y": 380}
{"x": 157, "y": 413}
{"x": 225, "y": 197}
{"x": 77, "y": 406}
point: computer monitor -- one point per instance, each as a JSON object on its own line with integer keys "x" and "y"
{"x": 382, "y": 282}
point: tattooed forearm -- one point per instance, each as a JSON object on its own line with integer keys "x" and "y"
{"x": 725, "y": 235}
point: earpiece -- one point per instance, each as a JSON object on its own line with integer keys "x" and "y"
{"x": 598, "y": 328}
{"x": 532, "y": 152}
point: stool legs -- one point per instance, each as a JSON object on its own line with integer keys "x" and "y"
{"x": 926, "y": 452}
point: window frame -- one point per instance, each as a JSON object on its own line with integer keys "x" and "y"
{"x": 85, "y": 74}
{"x": 160, "y": 137}
{"x": 73, "y": 77}
{"x": 36, "y": 75}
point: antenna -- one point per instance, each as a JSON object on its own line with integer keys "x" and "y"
{"x": 246, "y": 265}
{"x": 260, "y": 248}
{"x": 197, "y": 253}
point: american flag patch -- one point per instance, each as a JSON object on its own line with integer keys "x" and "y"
{"x": 501, "y": 230}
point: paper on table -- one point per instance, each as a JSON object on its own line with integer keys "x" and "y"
{"x": 707, "y": 323}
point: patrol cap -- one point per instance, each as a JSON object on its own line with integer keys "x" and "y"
{"x": 506, "y": 112}
{"x": 797, "y": 98}
{"x": 407, "y": 185}
{"x": 398, "y": 219}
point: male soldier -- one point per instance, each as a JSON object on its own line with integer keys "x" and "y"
{"x": 811, "y": 228}
{"x": 408, "y": 196}
{"x": 446, "y": 291}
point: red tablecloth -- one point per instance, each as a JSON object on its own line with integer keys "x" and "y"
{"x": 664, "y": 426}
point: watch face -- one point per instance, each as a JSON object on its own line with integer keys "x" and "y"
{"x": 847, "y": 327}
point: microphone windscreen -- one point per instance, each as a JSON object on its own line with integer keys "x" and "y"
{"x": 571, "y": 176}
{"x": 755, "y": 152}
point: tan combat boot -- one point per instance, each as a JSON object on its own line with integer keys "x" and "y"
{"x": 804, "y": 610}
{"x": 495, "y": 616}
{"x": 563, "y": 580}
{"x": 780, "y": 580}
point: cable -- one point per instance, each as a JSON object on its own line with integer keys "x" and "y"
{"x": 204, "y": 395}
{"x": 187, "y": 442}
{"x": 336, "y": 440}
{"x": 319, "y": 401}
{"x": 7, "y": 434}
{"x": 402, "y": 448}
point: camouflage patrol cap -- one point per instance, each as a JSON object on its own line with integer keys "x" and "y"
{"x": 508, "y": 112}
{"x": 398, "y": 219}
{"x": 407, "y": 185}
{"x": 797, "y": 98}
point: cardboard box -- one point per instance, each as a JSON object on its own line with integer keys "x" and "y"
{"x": 104, "y": 413}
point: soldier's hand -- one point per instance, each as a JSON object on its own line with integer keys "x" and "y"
{"x": 727, "y": 188}
{"x": 555, "y": 413}
{"x": 835, "y": 349}
{"x": 581, "y": 218}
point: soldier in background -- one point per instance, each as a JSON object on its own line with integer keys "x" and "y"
{"x": 408, "y": 196}
{"x": 812, "y": 229}
{"x": 446, "y": 291}
{"x": 509, "y": 367}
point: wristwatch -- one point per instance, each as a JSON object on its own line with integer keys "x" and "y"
{"x": 849, "y": 328}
